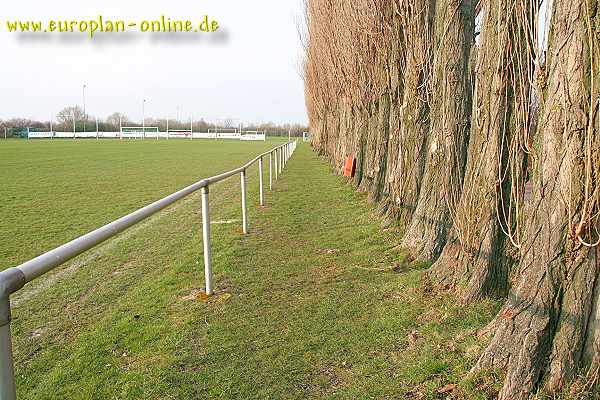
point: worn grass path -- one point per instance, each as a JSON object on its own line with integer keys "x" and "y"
{"x": 308, "y": 305}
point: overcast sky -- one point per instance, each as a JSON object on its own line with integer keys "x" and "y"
{"x": 250, "y": 70}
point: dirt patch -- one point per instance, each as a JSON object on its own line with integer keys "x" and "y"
{"x": 194, "y": 295}
{"x": 219, "y": 297}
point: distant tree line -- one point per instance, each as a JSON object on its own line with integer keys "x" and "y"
{"x": 73, "y": 118}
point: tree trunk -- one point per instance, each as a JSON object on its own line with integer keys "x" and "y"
{"x": 361, "y": 134}
{"x": 379, "y": 156}
{"x": 397, "y": 66}
{"x": 449, "y": 129}
{"x": 411, "y": 115}
{"x": 369, "y": 162}
{"x": 478, "y": 251}
{"x": 547, "y": 320}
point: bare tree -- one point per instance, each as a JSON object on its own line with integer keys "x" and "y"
{"x": 68, "y": 114}
{"x": 116, "y": 118}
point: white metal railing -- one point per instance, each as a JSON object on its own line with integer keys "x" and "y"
{"x": 13, "y": 279}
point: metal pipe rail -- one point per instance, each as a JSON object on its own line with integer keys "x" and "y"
{"x": 13, "y": 279}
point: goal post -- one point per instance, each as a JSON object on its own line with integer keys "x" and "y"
{"x": 138, "y": 132}
{"x": 253, "y": 135}
{"x": 223, "y": 133}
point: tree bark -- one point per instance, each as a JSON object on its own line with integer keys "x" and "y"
{"x": 449, "y": 129}
{"x": 545, "y": 324}
{"x": 380, "y": 154}
{"x": 478, "y": 251}
{"x": 411, "y": 114}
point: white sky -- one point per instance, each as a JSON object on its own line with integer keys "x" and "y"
{"x": 250, "y": 72}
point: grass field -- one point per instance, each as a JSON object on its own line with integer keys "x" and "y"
{"x": 316, "y": 302}
{"x": 54, "y": 191}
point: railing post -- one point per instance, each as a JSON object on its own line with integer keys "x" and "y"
{"x": 270, "y": 171}
{"x": 7, "y": 372}
{"x": 280, "y": 160}
{"x": 206, "y": 241}
{"x": 260, "y": 179}
{"x": 244, "y": 208}
{"x": 276, "y": 165}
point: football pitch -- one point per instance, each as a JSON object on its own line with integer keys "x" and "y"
{"x": 54, "y": 191}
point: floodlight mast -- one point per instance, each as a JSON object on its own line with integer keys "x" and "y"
{"x": 84, "y": 114}
{"x": 143, "y": 119}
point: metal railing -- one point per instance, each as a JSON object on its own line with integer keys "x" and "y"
{"x": 13, "y": 279}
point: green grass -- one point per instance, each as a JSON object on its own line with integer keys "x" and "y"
{"x": 308, "y": 304}
{"x": 54, "y": 191}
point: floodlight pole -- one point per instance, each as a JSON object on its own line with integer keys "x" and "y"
{"x": 84, "y": 114}
{"x": 73, "y": 124}
{"x": 143, "y": 119}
